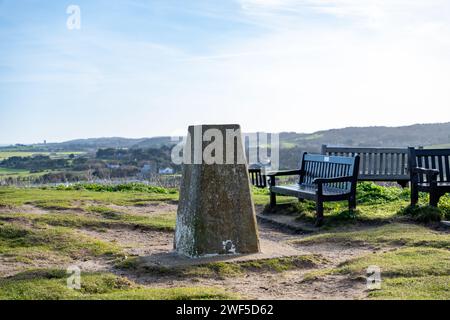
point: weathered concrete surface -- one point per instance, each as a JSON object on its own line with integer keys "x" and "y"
{"x": 216, "y": 214}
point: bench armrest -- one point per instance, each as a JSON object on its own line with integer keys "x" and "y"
{"x": 284, "y": 173}
{"x": 428, "y": 172}
{"x": 332, "y": 180}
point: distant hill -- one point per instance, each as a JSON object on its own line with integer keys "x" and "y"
{"x": 414, "y": 135}
{"x": 93, "y": 144}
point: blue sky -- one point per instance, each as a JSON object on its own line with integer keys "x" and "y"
{"x": 146, "y": 68}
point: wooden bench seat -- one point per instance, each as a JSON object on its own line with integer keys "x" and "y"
{"x": 321, "y": 178}
{"x": 309, "y": 191}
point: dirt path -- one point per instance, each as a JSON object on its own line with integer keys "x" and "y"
{"x": 253, "y": 285}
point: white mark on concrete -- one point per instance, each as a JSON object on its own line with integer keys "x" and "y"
{"x": 229, "y": 247}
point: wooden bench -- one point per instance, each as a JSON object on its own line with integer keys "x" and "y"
{"x": 321, "y": 178}
{"x": 430, "y": 172}
{"x": 376, "y": 164}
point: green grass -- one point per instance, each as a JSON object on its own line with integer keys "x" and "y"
{"x": 407, "y": 273}
{"x": 225, "y": 269}
{"x": 20, "y": 173}
{"x": 52, "y": 285}
{"x": 10, "y": 196}
{"x": 395, "y": 234}
{"x": 403, "y": 262}
{"x": 13, "y": 172}
{"x": 9, "y": 154}
{"x": 417, "y": 268}
{"x": 25, "y": 243}
{"x": 414, "y": 288}
{"x": 124, "y": 187}
{"x": 423, "y": 213}
{"x": 158, "y": 222}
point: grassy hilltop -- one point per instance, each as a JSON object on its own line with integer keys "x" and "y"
{"x": 110, "y": 230}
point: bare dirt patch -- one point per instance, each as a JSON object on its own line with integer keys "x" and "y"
{"x": 26, "y": 208}
{"x": 148, "y": 209}
{"x": 255, "y": 284}
{"x": 135, "y": 242}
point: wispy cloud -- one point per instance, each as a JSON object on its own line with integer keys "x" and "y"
{"x": 150, "y": 68}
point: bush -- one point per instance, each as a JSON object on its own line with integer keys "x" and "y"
{"x": 444, "y": 205}
{"x": 369, "y": 192}
{"x": 423, "y": 213}
{"x": 260, "y": 191}
{"x": 124, "y": 187}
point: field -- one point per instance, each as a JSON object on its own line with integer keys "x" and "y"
{"x": 14, "y": 173}
{"x": 21, "y": 173}
{"x": 111, "y": 233}
{"x": 9, "y": 154}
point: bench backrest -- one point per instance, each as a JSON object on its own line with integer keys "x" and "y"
{"x": 431, "y": 159}
{"x": 321, "y": 166}
{"x": 257, "y": 178}
{"x": 376, "y": 164}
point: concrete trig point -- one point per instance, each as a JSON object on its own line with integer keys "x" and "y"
{"x": 215, "y": 212}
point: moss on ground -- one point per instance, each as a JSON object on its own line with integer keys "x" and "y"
{"x": 395, "y": 234}
{"x": 24, "y": 243}
{"x": 11, "y": 197}
{"x": 416, "y": 268}
{"x": 224, "y": 269}
{"x": 51, "y": 284}
{"x": 159, "y": 222}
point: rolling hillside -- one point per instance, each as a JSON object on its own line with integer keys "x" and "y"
{"x": 414, "y": 135}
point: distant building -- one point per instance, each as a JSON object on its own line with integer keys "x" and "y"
{"x": 112, "y": 166}
{"x": 146, "y": 169}
{"x": 166, "y": 171}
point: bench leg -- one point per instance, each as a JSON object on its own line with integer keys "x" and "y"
{"x": 319, "y": 212}
{"x": 352, "y": 203}
{"x": 414, "y": 195}
{"x": 273, "y": 200}
{"x": 434, "y": 198}
{"x": 403, "y": 184}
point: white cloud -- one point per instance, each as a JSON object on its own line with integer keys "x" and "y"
{"x": 306, "y": 65}
{"x": 374, "y": 63}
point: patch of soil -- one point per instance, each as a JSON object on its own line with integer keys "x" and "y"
{"x": 255, "y": 284}
{"x": 268, "y": 286}
{"x": 150, "y": 208}
{"x": 135, "y": 242}
{"x": 26, "y": 208}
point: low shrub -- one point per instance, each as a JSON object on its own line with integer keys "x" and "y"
{"x": 369, "y": 192}
{"x": 423, "y": 213}
{"x": 124, "y": 187}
